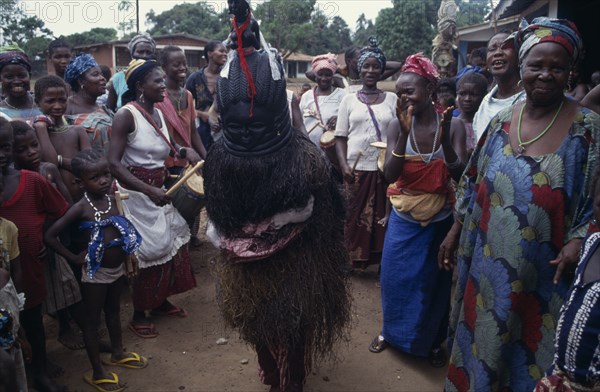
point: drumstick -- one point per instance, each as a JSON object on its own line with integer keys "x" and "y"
{"x": 360, "y": 154}
{"x": 131, "y": 261}
{"x": 315, "y": 126}
{"x": 183, "y": 179}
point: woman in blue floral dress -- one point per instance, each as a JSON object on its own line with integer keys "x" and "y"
{"x": 525, "y": 205}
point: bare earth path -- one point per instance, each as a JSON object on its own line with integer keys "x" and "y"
{"x": 185, "y": 356}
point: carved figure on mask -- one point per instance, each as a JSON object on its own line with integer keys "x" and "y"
{"x": 243, "y": 23}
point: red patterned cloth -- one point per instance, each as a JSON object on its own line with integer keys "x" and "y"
{"x": 366, "y": 206}
{"x": 421, "y": 65}
{"x": 421, "y": 177}
{"x": 154, "y": 285}
{"x": 34, "y": 202}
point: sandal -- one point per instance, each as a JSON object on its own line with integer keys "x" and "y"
{"x": 174, "y": 311}
{"x": 98, "y": 384}
{"x": 142, "y": 329}
{"x": 437, "y": 358}
{"x": 130, "y": 361}
{"x": 378, "y": 344}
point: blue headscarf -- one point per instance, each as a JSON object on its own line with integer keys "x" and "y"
{"x": 467, "y": 70}
{"x": 371, "y": 51}
{"x": 78, "y": 66}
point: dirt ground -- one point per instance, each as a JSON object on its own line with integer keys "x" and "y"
{"x": 185, "y": 356}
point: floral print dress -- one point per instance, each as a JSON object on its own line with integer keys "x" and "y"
{"x": 518, "y": 212}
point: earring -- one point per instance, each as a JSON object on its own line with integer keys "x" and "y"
{"x": 81, "y": 87}
{"x": 520, "y": 83}
{"x": 142, "y": 97}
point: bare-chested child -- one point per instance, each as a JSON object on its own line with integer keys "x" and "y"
{"x": 112, "y": 237}
{"x": 58, "y": 140}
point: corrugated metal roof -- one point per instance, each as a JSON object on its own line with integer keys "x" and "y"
{"x": 507, "y": 8}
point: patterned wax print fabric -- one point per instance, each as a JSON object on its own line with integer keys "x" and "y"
{"x": 97, "y": 125}
{"x": 577, "y": 335}
{"x": 518, "y": 212}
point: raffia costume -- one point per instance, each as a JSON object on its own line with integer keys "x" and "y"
{"x": 277, "y": 216}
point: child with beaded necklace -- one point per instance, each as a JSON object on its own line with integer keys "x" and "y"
{"x": 112, "y": 238}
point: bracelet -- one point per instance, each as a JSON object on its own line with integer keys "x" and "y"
{"x": 398, "y": 155}
{"x": 60, "y": 160}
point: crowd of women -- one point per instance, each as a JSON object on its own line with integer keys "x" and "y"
{"x": 501, "y": 187}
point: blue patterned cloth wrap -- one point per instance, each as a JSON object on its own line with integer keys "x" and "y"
{"x": 129, "y": 241}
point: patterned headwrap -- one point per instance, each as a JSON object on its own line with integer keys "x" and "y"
{"x": 371, "y": 51}
{"x": 324, "y": 61}
{"x": 78, "y": 66}
{"x": 421, "y": 65}
{"x": 560, "y": 31}
{"x": 137, "y": 70}
{"x": 143, "y": 37}
{"x": 12, "y": 54}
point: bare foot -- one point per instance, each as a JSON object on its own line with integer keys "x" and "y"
{"x": 71, "y": 340}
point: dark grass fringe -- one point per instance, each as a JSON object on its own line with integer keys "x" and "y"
{"x": 301, "y": 291}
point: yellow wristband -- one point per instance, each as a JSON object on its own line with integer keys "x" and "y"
{"x": 398, "y": 155}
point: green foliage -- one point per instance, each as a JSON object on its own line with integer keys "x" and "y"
{"x": 286, "y": 24}
{"x": 406, "y": 28}
{"x": 29, "y": 32}
{"x": 200, "y": 19}
{"x": 471, "y": 11}
{"x": 327, "y": 35}
{"x": 127, "y": 26}
{"x": 364, "y": 29}
{"x": 94, "y": 36}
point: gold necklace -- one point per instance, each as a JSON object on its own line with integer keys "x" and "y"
{"x": 523, "y": 145}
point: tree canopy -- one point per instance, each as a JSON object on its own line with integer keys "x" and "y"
{"x": 93, "y": 36}
{"x": 201, "y": 19}
{"x": 29, "y": 32}
{"x": 364, "y": 29}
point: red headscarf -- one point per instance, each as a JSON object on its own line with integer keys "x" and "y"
{"x": 421, "y": 65}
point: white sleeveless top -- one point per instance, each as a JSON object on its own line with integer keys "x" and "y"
{"x": 145, "y": 148}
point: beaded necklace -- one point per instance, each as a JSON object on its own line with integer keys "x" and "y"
{"x": 523, "y": 145}
{"x": 423, "y": 157}
{"x": 60, "y": 129}
{"x": 98, "y": 214}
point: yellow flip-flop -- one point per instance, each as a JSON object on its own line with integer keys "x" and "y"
{"x": 89, "y": 378}
{"x": 125, "y": 362}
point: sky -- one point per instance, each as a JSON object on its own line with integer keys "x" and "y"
{"x": 66, "y": 17}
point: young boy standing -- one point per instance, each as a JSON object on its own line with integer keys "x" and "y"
{"x": 59, "y": 141}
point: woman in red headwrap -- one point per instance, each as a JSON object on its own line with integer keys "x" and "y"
{"x": 426, "y": 150}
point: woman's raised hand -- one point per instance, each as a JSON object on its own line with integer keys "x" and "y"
{"x": 446, "y": 122}
{"x": 404, "y": 112}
